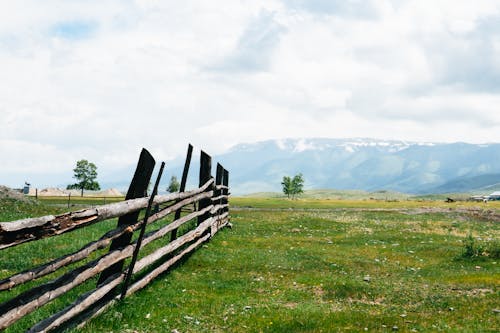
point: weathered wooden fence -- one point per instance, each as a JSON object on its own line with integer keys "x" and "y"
{"x": 114, "y": 280}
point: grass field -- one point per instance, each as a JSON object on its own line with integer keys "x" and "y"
{"x": 320, "y": 266}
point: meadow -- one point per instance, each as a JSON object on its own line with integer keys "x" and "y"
{"x": 316, "y": 265}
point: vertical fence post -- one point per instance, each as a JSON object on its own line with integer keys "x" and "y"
{"x": 225, "y": 182}
{"x": 205, "y": 176}
{"x": 69, "y": 199}
{"x": 137, "y": 189}
{"x": 218, "y": 181}
{"x": 182, "y": 187}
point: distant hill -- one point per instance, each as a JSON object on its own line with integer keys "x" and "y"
{"x": 337, "y": 194}
{"x": 364, "y": 164}
{"x": 481, "y": 183}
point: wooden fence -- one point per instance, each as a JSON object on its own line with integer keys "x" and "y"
{"x": 114, "y": 280}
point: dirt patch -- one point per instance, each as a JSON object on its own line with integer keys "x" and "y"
{"x": 58, "y": 192}
{"x": 52, "y": 192}
{"x": 364, "y": 300}
{"x": 112, "y": 192}
{"x": 462, "y": 213}
{"x": 476, "y": 292}
{"x": 290, "y": 305}
{"x": 8, "y": 193}
{"x": 318, "y": 291}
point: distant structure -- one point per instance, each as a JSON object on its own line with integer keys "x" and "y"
{"x": 494, "y": 196}
{"x": 26, "y": 188}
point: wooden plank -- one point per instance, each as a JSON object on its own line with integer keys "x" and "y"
{"x": 25, "y": 303}
{"x": 219, "y": 198}
{"x": 137, "y": 189}
{"x": 172, "y": 246}
{"x": 54, "y": 265}
{"x": 101, "y": 243}
{"x": 21, "y": 231}
{"x": 225, "y": 182}
{"x": 182, "y": 186}
{"x": 205, "y": 175}
{"x": 218, "y": 181}
{"x": 87, "y": 300}
{"x": 83, "y": 302}
{"x": 141, "y": 283}
{"x": 154, "y": 235}
{"x": 163, "y": 267}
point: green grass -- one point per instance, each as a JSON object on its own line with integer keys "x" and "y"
{"x": 305, "y": 203}
{"x": 344, "y": 265}
{"x": 11, "y": 209}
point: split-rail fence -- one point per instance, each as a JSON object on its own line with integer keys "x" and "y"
{"x": 207, "y": 205}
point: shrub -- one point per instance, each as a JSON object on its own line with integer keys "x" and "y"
{"x": 471, "y": 248}
{"x": 474, "y": 248}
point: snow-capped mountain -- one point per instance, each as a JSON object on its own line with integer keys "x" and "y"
{"x": 366, "y": 164}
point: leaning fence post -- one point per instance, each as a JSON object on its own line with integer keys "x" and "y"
{"x": 137, "y": 189}
{"x": 182, "y": 187}
{"x": 205, "y": 176}
{"x": 141, "y": 234}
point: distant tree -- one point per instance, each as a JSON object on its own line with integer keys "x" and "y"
{"x": 287, "y": 186}
{"x": 297, "y": 185}
{"x": 174, "y": 185}
{"x": 85, "y": 173}
{"x": 293, "y": 186}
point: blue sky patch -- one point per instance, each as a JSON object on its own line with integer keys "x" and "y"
{"x": 74, "y": 29}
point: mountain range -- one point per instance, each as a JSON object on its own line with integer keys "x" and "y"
{"x": 355, "y": 164}
{"x": 364, "y": 164}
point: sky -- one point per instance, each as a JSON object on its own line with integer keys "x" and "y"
{"x": 99, "y": 80}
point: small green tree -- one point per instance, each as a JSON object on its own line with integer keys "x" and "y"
{"x": 287, "y": 186}
{"x": 85, "y": 173}
{"x": 174, "y": 185}
{"x": 293, "y": 186}
{"x": 297, "y": 184}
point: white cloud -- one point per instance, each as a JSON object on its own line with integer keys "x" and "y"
{"x": 100, "y": 80}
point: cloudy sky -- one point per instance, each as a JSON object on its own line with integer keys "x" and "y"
{"x": 101, "y": 79}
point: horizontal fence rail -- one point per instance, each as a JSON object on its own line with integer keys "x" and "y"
{"x": 212, "y": 214}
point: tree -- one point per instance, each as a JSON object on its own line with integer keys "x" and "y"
{"x": 293, "y": 186}
{"x": 85, "y": 173}
{"x": 297, "y": 184}
{"x": 174, "y": 185}
{"x": 287, "y": 186}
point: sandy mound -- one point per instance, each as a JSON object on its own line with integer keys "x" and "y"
{"x": 52, "y": 192}
{"x": 57, "y": 192}
{"x": 112, "y": 192}
{"x": 7, "y": 192}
